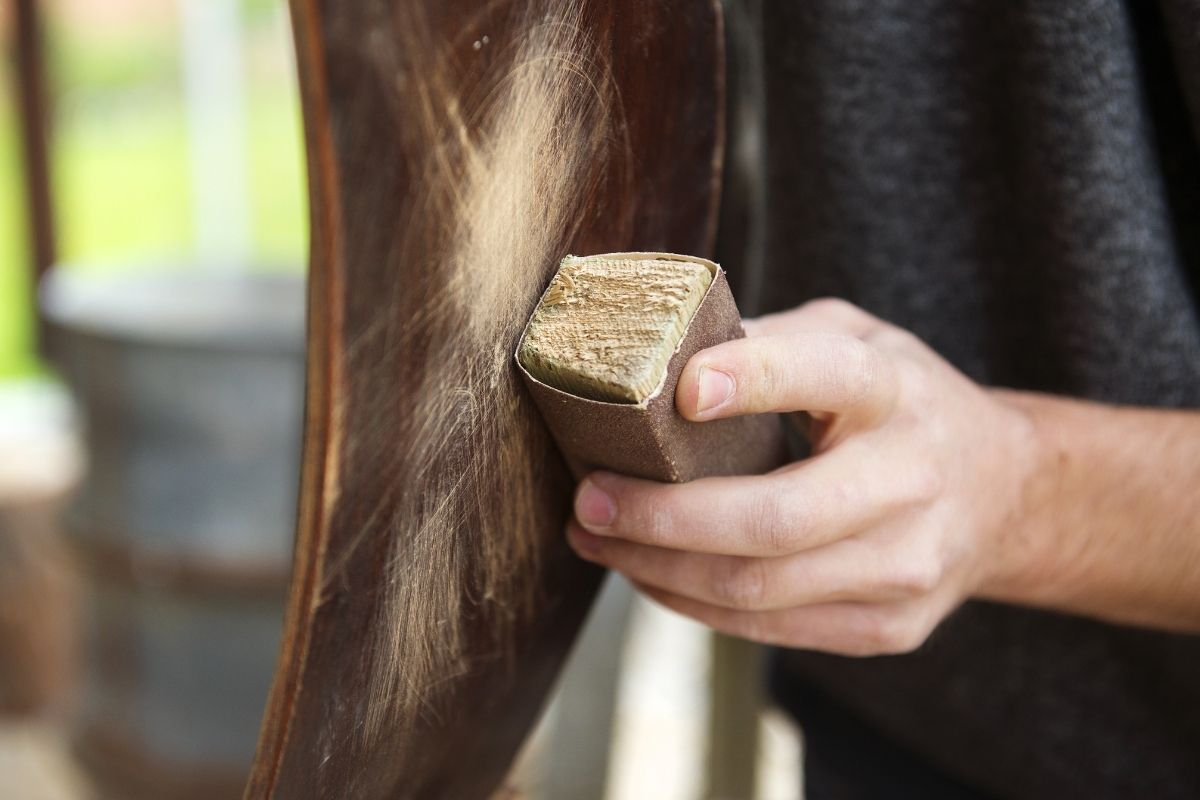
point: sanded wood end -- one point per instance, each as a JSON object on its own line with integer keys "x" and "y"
{"x": 608, "y": 325}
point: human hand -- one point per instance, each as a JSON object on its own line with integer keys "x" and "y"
{"x": 909, "y": 505}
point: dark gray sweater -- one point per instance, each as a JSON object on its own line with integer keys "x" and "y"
{"x": 1019, "y": 184}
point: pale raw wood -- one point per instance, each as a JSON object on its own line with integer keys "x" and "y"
{"x": 607, "y": 326}
{"x": 736, "y": 705}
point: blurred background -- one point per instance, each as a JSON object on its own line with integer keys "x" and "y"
{"x": 168, "y": 140}
{"x": 150, "y": 428}
{"x": 149, "y": 433}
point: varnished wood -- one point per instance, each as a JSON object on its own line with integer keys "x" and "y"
{"x": 664, "y": 60}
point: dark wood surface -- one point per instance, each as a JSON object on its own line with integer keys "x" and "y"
{"x": 35, "y": 135}
{"x": 660, "y": 67}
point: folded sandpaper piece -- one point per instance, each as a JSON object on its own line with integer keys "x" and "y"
{"x": 650, "y": 439}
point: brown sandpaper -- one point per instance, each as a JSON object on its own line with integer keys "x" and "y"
{"x": 651, "y": 439}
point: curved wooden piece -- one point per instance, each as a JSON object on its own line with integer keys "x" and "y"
{"x": 456, "y": 150}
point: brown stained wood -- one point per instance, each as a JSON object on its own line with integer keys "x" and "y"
{"x": 374, "y": 349}
{"x": 35, "y": 135}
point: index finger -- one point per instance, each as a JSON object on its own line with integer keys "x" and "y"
{"x": 810, "y": 504}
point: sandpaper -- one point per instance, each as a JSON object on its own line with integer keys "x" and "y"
{"x": 651, "y": 439}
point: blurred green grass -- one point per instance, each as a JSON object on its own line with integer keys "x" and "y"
{"x": 15, "y": 314}
{"x": 120, "y": 171}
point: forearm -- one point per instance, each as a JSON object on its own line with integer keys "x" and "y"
{"x": 1110, "y": 520}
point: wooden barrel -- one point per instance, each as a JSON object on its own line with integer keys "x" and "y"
{"x": 190, "y": 385}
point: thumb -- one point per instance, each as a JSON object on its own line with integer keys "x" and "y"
{"x": 809, "y": 371}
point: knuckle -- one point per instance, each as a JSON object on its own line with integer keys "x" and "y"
{"x": 860, "y": 370}
{"x": 864, "y": 358}
{"x": 893, "y": 339}
{"x": 874, "y": 636}
{"x": 919, "y": 577}
{"x": 921, "y": 485}
{"x": 918, "y": 377}
{"x": 916, "y": 567}
{"x": 830, "y": 305}
{"x": 754, "y": 628}
{"x": 657, "y": 523}
{"x": 741, "y": 584}
{"x": 892, "y": 633}
{"x": 907, "y": 638}
{"x": 913, "y": 394}
{"x": 767, "y": 384}
{"x": 919, "y": 628}
{"x": 771, "y": 525}
{"x": 924, "y": 484}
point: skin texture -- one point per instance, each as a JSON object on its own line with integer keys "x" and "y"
{"x": 924, "y": 490}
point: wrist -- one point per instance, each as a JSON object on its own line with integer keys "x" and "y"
{"x": 1106, "y": 523}
{"x": 1032, "y": 560}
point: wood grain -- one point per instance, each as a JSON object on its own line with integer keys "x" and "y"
{"x": 659, "y": 66}
{"x": 607, "y": 326}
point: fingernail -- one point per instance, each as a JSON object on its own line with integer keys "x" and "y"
{"x": 594, "y": 507}
{"x": 715, "y": 388}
